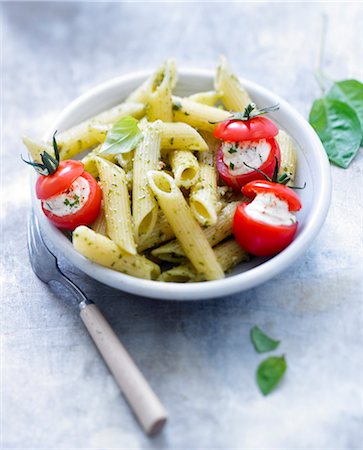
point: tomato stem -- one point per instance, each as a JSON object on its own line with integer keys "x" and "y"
{"x": 250, "y": 112}
{"x": 49, "y": 163}
{"x": 283, "y": 179}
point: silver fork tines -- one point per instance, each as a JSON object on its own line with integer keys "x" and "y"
{"x": 44, "y": 263}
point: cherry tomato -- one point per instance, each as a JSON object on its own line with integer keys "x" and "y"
{"x": 60, "y": 180}
{"x": 260, "y": 238}
{"x": 84, "y": 216}
{"x": 281, "y": 191}
{"x": 237, "y": 181}
{"x": 256, "y": 128}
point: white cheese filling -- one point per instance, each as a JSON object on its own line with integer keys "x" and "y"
{"x": 270, "y": 209}
{"x": 253, "y": 153}
{"x": 69, "y": 201}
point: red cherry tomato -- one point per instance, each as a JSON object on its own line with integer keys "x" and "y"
{"x": 282, "y": 192}
{"x": 60, "y": 180}
{"x": 258, "y": 237}
{"x": 84, "y": 216}
{"x": 254, "y": 129}
{"x": 237, "y": 181}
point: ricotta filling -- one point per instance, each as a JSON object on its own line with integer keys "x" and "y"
{"x": 270, "y": 209}
{"x": 69, "y": 201}
{"x": 253, "y": 153}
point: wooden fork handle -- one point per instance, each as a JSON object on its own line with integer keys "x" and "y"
{"x": 143, "y": 401}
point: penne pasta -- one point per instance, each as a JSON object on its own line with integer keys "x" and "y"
{"x": 117, "y": 205}
{"x": 185, "y": 227}
{"x": 125, "y": 160}
{"x": 144, "y": 206}
{"x": 36, "y": 148}
{"x": 86, "y": 134}
{"x": 197, "y": 115}
{"x": 288, "y": 156}
{"x": 179, "y": 135}
{"x": 159, "y": 87}
{"x": 162, "y": 232}
{"x": 203, "y": 194}
{"x": 102, "y": 250}
{"x": 209, "y": 98}
{"x": 185, "y": 167}
{"x": 228, "y": 255}
{"x": 140, "y": 94}
{"x": 89, "y": 161}
{"x": 99, "y": 225}
{"x": 228, "y": 86}
{"x": 173, "y": 251}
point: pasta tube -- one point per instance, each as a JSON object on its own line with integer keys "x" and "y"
{"x": 144, "y": 206}
{"x": 159, "y": 104}
{"x": 228, "y": 86}
{"x": 288, "y": 156}
{"x": 185, "y": 227}
{"x": 203, "y": 194}
{"x": 185, "y": 167}
{"x": 179, "y": 135}
{"x": 89, "y": 161}
{"x": 197, "y": 115}
{"x": 117, "y": 205}
{"x": 173, "y": 251}
{"x": 209, "y": 98}
{"x": 99, "y": 225}
{"x": 85, "y": 135}
{"x": 125, "y": 160}
{"x": 228, "y": 254}
{"x": 212, "y": 142}
{"x": 162, "y": 232}
{"x": 140, "y": 94}
{"x": 36, "y": 148}
{"x": 105, "y": 252}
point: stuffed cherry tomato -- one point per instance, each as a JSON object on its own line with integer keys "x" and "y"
{"x": 267, "y": 224}
{"x": 77, "y": 205}
{"x": 70, "y": 196}
{"x": 248, "y": 143}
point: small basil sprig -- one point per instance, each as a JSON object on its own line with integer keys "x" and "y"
{"x": 122, "y": 137}
{"x": 261, "y": 341}
{"x": 337, "y": 117}
{"x": 270, "y": 372}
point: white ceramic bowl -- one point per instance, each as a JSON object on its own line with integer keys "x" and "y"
{"x": 313, "y": 167}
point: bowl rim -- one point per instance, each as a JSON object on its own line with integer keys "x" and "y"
{"x": 211, "y": 289}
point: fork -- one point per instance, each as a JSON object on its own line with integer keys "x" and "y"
{"x": 143, "y": 401}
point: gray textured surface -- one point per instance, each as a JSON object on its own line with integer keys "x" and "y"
{"x": 56, "y": 392}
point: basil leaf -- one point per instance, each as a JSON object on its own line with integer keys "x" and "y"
{"x": 261, "y": 341}
{"x": 351, "y": 93}
{"x": 270, "y": 372}
{"x": 122, "y": 137}
{"x": 339, "y": 129}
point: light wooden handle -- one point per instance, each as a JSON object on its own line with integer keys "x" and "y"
{"x": 143, "y": 401}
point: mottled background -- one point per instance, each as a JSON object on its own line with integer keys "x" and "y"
{"x": 56, "y": 391}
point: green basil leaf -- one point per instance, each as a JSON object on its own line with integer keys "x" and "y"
{"x": 122, "y": 137}
{"x": 339, "y": 129}
{"x": 270, "y": 372}
{"x": 351, "y": 93}
{"x": 261, "y": 341}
